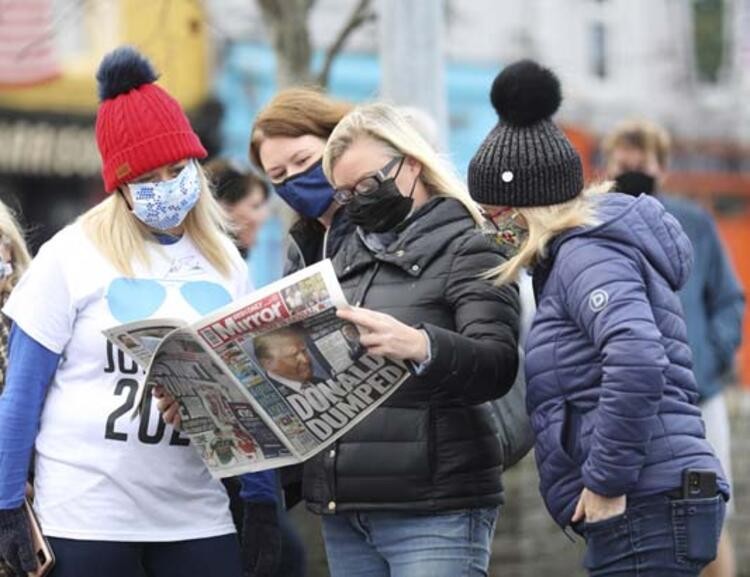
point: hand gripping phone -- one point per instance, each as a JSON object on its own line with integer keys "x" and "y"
{"x": 44, "y": 555}
{"x": 698, "y": 484}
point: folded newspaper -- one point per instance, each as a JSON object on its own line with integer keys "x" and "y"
{"x": 268, "y": 380}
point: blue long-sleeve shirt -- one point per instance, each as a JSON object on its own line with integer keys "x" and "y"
{"x": 31, "y": 367}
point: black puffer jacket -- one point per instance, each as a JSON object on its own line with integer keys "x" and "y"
{"x": 432, "y": 446}
{"x": 310, "y": 243}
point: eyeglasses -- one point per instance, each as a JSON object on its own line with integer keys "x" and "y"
{"x": 368, "y": 184}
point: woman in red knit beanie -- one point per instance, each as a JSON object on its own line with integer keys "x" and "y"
{"x": 121, "y": 497}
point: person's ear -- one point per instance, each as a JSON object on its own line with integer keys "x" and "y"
{"x": 414, "y": 166}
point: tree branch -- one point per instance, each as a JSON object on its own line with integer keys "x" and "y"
{"x": 359, "y": 16}
{"x": 287, "y": 21}
{"x": 270, "y": 9}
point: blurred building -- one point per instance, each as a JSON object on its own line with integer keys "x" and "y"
{"x": 49, "y": 53}
{"x": 684, "y": 64}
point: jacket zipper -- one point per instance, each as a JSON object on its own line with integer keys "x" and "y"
{"x": 325, "y": 242}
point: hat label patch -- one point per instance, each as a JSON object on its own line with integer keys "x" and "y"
{"x": 507, "y": 176}
{"x": 122, "y": 170}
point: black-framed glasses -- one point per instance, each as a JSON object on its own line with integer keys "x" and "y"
{"x": 368, "y": 184}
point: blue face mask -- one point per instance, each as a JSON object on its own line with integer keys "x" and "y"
{"x": 309, "y": 192}
{"x": 164, "y": 205}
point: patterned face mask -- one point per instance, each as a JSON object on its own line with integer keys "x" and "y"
{"x": 6, "y": 269}
{"x": 164, "y": 205}
{"x": 508, "y": 232}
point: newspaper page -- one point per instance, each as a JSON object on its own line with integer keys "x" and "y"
{"x": 269, "y": 380}
{"x": 217, "y": 415}
{"x": 140, "y": 339}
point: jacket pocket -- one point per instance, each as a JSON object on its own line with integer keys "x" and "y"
{"x": 555, "y": 437}
{"x": 570, "y": 432}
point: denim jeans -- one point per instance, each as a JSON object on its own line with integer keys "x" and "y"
{"x": 391, "y": 544}
{"x": 655, "y": 537}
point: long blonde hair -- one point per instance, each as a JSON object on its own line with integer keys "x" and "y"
{"x": 544, "y": 223}
{"x": 386, "y": 125}
{"x": 122, "y": 238}
{"x": 10, "y": 233}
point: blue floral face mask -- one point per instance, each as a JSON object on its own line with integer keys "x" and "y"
{"x": 164, "y": 205}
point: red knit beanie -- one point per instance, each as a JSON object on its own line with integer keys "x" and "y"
{"x": 139, "y": 127}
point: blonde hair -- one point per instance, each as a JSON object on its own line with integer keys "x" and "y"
{"x": 544, "y": 223}
{"x": 122, "y": 238}
{"x": 10, "y": 233}
{"x": 643, "y": 135}
{"x": 386, "y": 125}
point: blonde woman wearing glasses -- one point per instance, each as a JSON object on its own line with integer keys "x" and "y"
{"x": 415, "y": 489}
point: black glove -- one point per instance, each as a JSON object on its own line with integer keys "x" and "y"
{"x": 16, "y": 546}
{"x": 261, "y": 540}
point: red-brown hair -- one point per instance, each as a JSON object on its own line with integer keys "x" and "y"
{"x": 296, "y": 112}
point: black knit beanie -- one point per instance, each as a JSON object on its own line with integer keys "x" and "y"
{"x": 526, "y": 160}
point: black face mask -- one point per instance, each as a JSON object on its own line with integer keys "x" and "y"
{"x": 381, "y": 210}
{"x": 634, "y": 182}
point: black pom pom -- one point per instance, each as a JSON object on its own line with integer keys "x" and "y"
{"x": 525, "y": 93}
{"x": 123, "y": 70}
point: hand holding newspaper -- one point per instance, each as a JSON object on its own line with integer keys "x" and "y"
{"x": 268, "y": 380}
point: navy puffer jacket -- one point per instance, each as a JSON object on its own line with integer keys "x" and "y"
{"x": 611, "y": 394}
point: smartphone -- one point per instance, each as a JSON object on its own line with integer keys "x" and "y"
{"x": 44, "y": 554}
{"x": 698, "y": 484}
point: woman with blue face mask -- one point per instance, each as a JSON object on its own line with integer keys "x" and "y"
{"x": 287, "y": 142}
{"x": 118, "y": 496}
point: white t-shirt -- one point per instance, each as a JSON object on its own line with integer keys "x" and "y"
{"x": 99, "y": 474}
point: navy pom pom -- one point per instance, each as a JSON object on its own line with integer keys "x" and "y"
{"x": 123, "y": 70}
{"x": 525, "y": 93}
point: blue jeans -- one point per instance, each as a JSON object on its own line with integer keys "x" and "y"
{"x": 655, "y": 537}
{"x": 391, "y": 544}
{"x": 211, "y": 557}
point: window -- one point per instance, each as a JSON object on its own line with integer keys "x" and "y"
{"x": 708, "y": 39}
{"x": 597, "y": 47}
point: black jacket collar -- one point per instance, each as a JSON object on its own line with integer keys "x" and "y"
{"x": 424, "y": 236}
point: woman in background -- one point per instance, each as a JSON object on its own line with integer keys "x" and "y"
{"x": 244, "y": 197}
{"x": 14, "y": 259}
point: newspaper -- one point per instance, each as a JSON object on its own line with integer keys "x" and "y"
{"x": 268, "y": 380}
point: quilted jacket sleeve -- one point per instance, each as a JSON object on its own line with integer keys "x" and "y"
{"x": 478, "y": 361}
{"x": 604, "y": 292}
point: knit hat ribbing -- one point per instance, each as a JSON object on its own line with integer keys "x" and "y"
{"x": 525, "y": 160}
{"x": 139, "y": 126}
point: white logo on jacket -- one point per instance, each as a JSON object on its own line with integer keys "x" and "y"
{"x": 598, "y": 300}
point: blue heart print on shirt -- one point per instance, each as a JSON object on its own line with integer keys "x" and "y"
{"x": 205, "y": 296}
{"x": 132, "y": 300}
